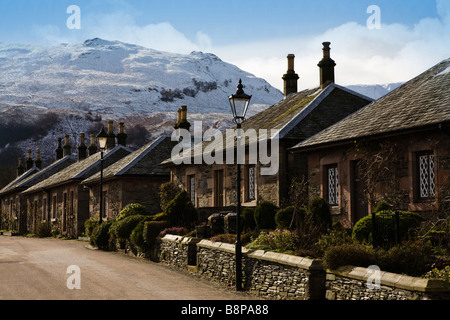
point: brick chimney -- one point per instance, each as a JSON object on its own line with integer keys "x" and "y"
{"x": 122, "y": 136}
{"x": 29, "y": 161}
{"x": 20, "y": 168}
{"x": 59, "y": 150}
{"x": 290, "y": 78}
{"x": 326, "y": 66}
{"x": 82, "y": 149}
{"x": 38, "y": 161}
{"x": 92, "y": 146}
{"x": 111, "y": 143}
{"x": 67, "y": 147}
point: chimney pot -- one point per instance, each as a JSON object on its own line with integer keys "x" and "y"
{"x": 122, "y": 136}
{"x": 82, "y": 149}
{"x": 111, "y": 142}
{"x": 38, "y": 161}
{"x": 326, "y": 66}
{"x": 29, "y": 160}
{"x": 290, "y": 78}
{"x": 20, "y": 168}
{"x": 59, "y": 150}
{"x": 92, "y": 146}
{"x": 67, "y": 147}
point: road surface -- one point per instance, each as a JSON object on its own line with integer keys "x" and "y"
{"x": 52, "y": 269}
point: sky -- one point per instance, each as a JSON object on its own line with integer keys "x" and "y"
{"x": 372, "y": 41}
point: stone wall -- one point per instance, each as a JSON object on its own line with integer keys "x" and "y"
{"x": 279, "y": 276}
{"x": 351, "y": 283}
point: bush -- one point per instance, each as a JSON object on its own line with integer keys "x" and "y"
{"x": 122, "y": 229}
{"x": 349, "y": 254}
{"x": 131, "y": 210}
{"x": 89, "y": 226}
{"x": 137, "y": 238}
{"x": 180, "y": 210}
{"x": 320, "y": 213}
{"x": 167, "y": 192}
{"x": 100, "y": 236}
{"x": 265, "y": 215}
{"x": 382, "y": 206}
{"x": 283, "y": 241}
{"x": 44, "y": 230}
{"x": 151, "y": 231}
{"x": 443, "y": 274}
{"x": 335, "y": 238}
{"x": 177, "y": 231}
{"x": 362, "y": 231}
{"x": 248, "y": 219}
{"x": 283, "y": 217}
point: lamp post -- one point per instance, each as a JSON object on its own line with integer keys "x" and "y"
{"x": 102, "y": 139}
{"x": 239, "y": 105}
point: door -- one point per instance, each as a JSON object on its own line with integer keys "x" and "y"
{"x": 218, "y": 188}
{"x": 359, "y": 202}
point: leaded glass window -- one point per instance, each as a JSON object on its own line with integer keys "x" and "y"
{"x": 427, "y": 186}
{"x": 333, "y": 185}
{"x": 251, "y": 183}
{"x": 192, "y": 188}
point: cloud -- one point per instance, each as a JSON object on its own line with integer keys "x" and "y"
{"x": 394, "y": 53}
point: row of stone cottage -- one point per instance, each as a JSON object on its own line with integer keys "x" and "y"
{"x": 326, "y": 134}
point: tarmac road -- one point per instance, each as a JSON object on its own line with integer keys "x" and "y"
{"x": 37, "y": 269}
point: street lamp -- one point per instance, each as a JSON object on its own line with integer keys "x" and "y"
{"x": 102, "y": 139}
{"x": 239, "y": 105}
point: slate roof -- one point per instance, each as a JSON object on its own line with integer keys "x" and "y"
{"x": 81, "y": 170}
{"x": 299, "y": 115}
{"x": 36, "y": 175}
{"x": 421, "y": 102}
{"x": 143, "y": 162}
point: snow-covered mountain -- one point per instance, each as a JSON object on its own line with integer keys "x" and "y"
{"x": 118, "y": 79}
{"x": 375, "y": 91}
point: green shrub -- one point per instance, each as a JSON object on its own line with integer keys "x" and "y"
{"x": 335, "y": 238}
{"x": 137, "y": 236}
{"x": 122, "y": 229}
{"x": 167, "y": 192}
{"x": 151, "y": 231}
{"x": 349, "y": 254}
{"x": 283, "y": 241}
{"x": 89, "y": 226}
{"x": 131, "y": 210}
{"x": 100, "y": 236}
{"x": 320, "y": 213}
{"x": 44, "y": 230}
{"x": 180, "y": 211}
{"x": 412, "y": 258}
{"x": 265, "y": 215}
{"x": 283, "y": 217}
{"x": 408, "y": 221}
{"x": 382, "y": 206}
{"x": 248, "y": 219}
{"x": 443, "y": 274}
{"x": 160, "y": 217}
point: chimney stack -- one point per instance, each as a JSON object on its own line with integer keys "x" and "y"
{"x": 67, "y": 147}
{"x": 182, "y": 119}
{"x": 111, "y": 142}
{"x": 326, "y": 66}
{"x": 38, "y": 161}
{"x": 29, "y": 161}
{"x": 59, "y": 150}
{"x": 122, "y": 136}
{"x": 92, "y": 147}
{"x": 290, "y": 78}
{"x": 82, "y": 149}
{"x": 20, "y": 168}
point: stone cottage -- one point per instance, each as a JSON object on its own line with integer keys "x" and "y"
{"x": 61, "y": 199}
{"x": 297, "y": 117}
{"x": 395, "y": 149}
{"x": 13, "y": 203}
{"x": 134, "y": 179}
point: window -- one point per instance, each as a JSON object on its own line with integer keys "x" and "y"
{"x": 54, "y": 208}
{"x": 332, "y": 185}
{"x": 191, "y": 182}
{"x": 426, "y": 176}
{"x": 251, "y": 194}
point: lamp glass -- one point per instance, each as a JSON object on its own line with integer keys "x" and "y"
{"x": 102, "y": 139}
